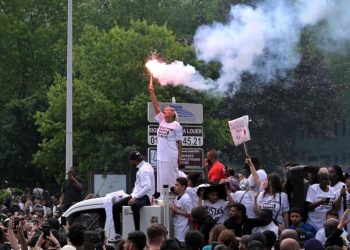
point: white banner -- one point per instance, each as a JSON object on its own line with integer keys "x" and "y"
{"x": 240, "y": 130}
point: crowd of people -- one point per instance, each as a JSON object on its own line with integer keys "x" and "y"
{"x": 229, "y": 211}
{"x": 224, "y": 210}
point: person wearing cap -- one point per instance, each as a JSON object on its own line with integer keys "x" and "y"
{"x": 169, "y": 143}
{"x": 141, "y": 194}
{"x": 216, "y": 199}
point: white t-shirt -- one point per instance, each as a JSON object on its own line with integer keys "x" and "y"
{"x": 317, "y": 217}
{"x": 247, "y": 199}
{"x": 262, "y": 176}
{"x": 181, "y": 225}
{"x": 218, "y": 211}
{"x": 278, "y": 203}
{"x": 339, "y": 185}
{"x": 341, "y": 209}
{"x": 182, "y": 174}
{"x": 192, "y": 192}
{"x": 167, "y": 135}
{"x": 272, "y": 227}
{"x": 321, "y": 235}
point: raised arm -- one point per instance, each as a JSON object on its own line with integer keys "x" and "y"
{"x": 253, "y": 171}
{"x": 229, "y": 196}
{"x": 153, "y": 96}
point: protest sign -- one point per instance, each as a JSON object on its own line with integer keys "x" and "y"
{"x": 240, "y": 130}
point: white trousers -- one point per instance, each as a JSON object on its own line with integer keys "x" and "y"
{"x": 167, "y": 172}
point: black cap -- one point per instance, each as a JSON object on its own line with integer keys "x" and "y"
{"x": 219, "y": 188}
{"x": 135, "y": 156}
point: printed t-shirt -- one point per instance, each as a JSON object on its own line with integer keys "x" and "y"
{"x": 317, "y": 217}
{"x": 167, "y": 136}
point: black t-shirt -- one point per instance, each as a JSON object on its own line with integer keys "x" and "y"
{"x": 72, "y": 194}
{"x": 244, "y": 228}
{"x": 206, "y": 226}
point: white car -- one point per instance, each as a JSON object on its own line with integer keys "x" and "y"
{"x": 93, "y": 215}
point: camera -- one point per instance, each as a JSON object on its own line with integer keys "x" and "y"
{"x": 63, "y": 221}
{"x": 15, "y": 222}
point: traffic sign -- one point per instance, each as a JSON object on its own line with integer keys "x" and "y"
{"x": 188, "y": 112}
{"x": 191, "y": 157}
{"x": 192, "y": 135}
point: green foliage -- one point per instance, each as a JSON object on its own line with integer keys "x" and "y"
{"x": 110, "y": 98}
{"x": 30, "y": 52}
{"x": 279, "y": 113}
{"x": 181, "y": 16}
{"x": 113, "y": 39}
{"x": 4, "y": 194}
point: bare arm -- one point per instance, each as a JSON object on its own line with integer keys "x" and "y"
{"x": 11, "y": 236}
{"x": 21, "y": 238}
{"x": 337, "y": 202}
{"x": 286, "y": 219}
{"x": 312, "y": 205}
{"x": 153, "y": 96}
{"x": 256, "y": 206}
{"x": 253, "y": 172}
{"x": 178, "y": 211}
{"x": 179, "y": 148}
{"x": 75, "y": 181}
{"x": 229, "y": 196}
{"x": 200, "y": 199}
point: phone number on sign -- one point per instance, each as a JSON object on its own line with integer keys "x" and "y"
{"x": 187, "y": 141}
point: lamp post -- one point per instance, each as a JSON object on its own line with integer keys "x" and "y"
{"x": 69, "y": 107}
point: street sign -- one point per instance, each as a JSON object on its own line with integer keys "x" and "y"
{"x": 191, "y": 157}
{"x": 192, "y": 135}
{"x": 187, "y": 112}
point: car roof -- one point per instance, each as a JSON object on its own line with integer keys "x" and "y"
{"x": 89, "y": 204}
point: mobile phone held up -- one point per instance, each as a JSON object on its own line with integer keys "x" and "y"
{"x": 63, "y": 221}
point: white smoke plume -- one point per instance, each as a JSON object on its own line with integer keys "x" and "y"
{"x": 177, "y": 73}
{"x": 262, "y": 40}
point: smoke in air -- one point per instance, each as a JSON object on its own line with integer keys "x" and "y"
{"x": 262, "y": 40}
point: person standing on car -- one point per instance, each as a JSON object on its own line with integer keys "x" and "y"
{"x": 169, "y": 143}
{"x": 72, "y": 189}
{"x": 141, "y": 194}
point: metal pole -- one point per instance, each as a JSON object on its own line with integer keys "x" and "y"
{"x": 166, "y": 213}
{"x": 69, "y": 111}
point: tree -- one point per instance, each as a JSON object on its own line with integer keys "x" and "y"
{"x": 279, "y": 111}
{"x": 110, "y": 98}
{"x": 29, "y": 57}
